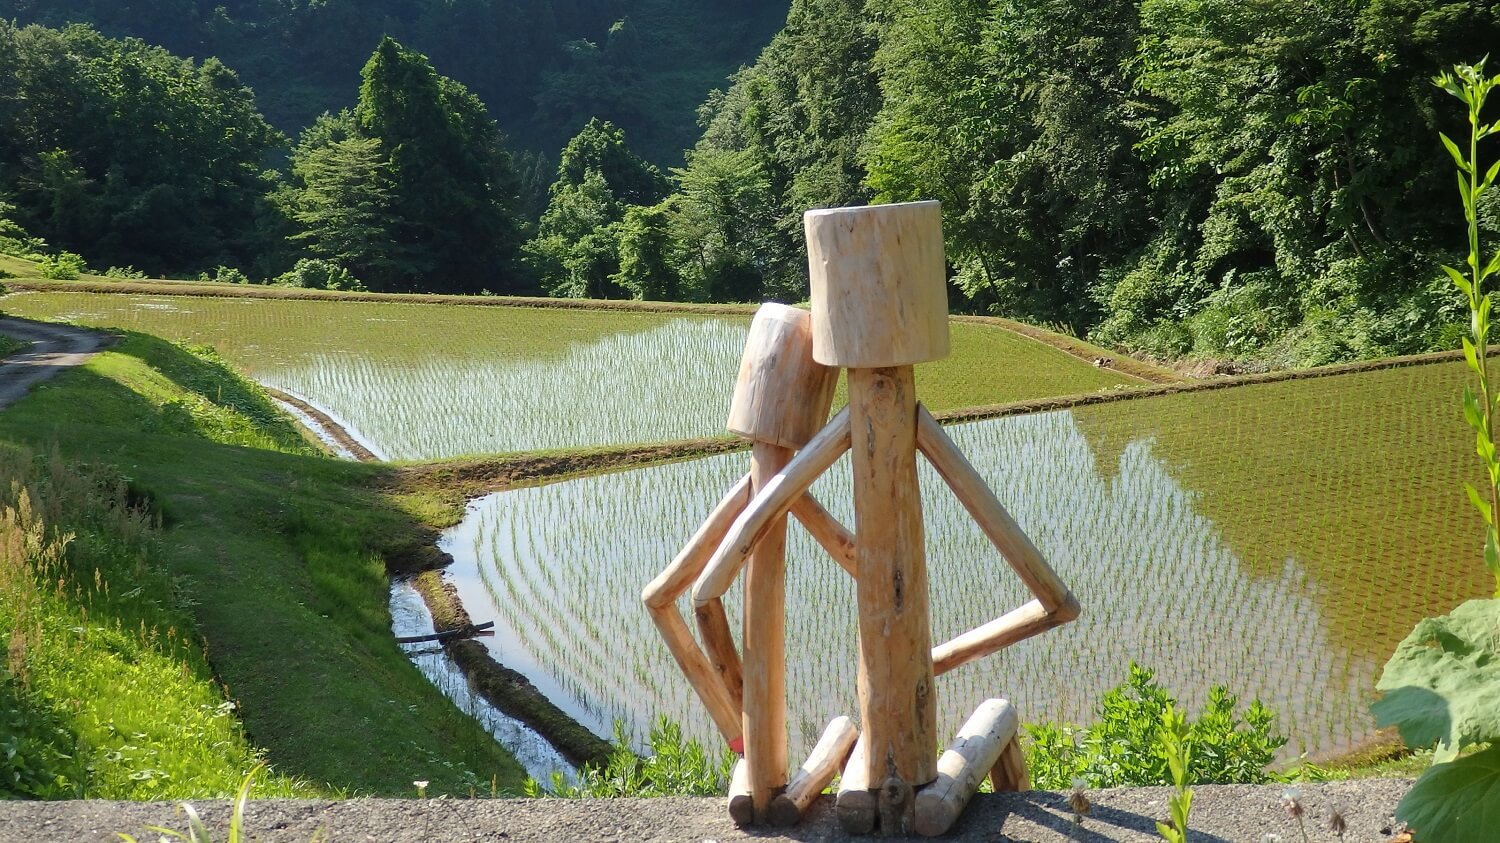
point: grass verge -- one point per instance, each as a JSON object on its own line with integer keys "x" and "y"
{"x": 280, "y": 553}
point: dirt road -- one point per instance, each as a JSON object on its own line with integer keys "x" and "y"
{"x": 54, "y": 348}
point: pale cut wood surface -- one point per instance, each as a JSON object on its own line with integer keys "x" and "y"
{"x": 782, "y": 395}
{"x": 678, "y": 576}
{"x": 765, "y": 645}
{"x": 1009, "y": 774}
{"x": 1003, "y": 531}
{"x": 772, "y": 502}
{"x": 971, "y": 756}
{"x": 713, "y": 628}
{"x": 740, "y": 808}
{"x": 898, "y": 698}
{"x": 827, "y": 756}
{"x": 700, "y": 672}
{"x": 1015, "y": 625}
{"x": 826, "y": 531}
{"x": 855, "y": 803}
{"x": 879, "y": 285}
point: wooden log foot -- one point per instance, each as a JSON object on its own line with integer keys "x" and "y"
{"x": 816, "y": 772}
{"x": 975, "y": 752}
{"x": 855, "y": 803}
{"x": 741, "y": 807}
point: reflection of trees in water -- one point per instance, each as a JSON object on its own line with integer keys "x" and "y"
{"x": 1357, "y": 477}
{"x": 1158, "y": 585}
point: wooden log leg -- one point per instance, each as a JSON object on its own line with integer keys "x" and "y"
{"x": 974, "y": 753}
{"x": 898, "y": 700}
{"x": 816, "y": 772}
{"x": 700, "y": 673}
{"x": 740, "y": 808}
{"x": 855, "y": 802}
{"x": 713, "y": 626}
{"x": 765, "y": 646}
{"x": 1010, "y": 774}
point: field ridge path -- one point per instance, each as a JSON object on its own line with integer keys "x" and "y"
{"x": 54, "y": 348}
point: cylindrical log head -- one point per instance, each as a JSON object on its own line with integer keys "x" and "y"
{"x": 879, "y": 293}
{"x": 783, "y": 395}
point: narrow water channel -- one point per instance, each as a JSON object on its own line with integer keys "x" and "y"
{"x": 409, "y": 616}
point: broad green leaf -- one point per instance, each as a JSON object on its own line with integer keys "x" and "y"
{"x": 1442, "y": 682}
{"x": 1489, "y": 178}
{"x": 1473, "y": 414}
{"x": 1480, "y": 504}
{"x": 1458, "y": 157}
{"x": 1457, "y": 801}
{"x": 1493, "y": 266}
{"x": 1471, "y": 356}
{"x": 1463, "y": 190}
{"x": 1459, "y": 279}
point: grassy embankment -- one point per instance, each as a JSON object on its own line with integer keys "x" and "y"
{"x": 271, "y": 553}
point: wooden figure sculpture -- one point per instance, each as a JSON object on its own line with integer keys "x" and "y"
{"x": 879, "y": 306}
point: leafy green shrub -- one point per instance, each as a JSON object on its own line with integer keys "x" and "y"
{"x": 1122, "y": 747}
{"x": 224, "y": 275}
{"x": 128, "y": 272}
{"x": 673, "y": 767}
{"x": 318, "y": 274}
{"x": 1440, "y": 686}
{"x": 63, "y": 266}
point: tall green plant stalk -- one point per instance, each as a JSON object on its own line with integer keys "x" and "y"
{"x": 1468, "y": 83}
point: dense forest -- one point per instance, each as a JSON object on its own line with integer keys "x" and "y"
{"x": 543, "y": 67}
{"x": 1210, "y": 178}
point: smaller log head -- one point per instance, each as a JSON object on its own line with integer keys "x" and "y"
{"x": 879, "y": 291}
{"x": 783, "y": 395}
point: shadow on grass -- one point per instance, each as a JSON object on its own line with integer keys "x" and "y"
{"x": 281, "y": 554}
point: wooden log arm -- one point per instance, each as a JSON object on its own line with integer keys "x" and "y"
{"x": 773, "y": 501}
{"x": 700, "y": 672}
{"x": 680, "y": 574}
{"x": 1003, "y": 531}
{"x": 826, "y": 530}
{"x": 1015, "y": 625}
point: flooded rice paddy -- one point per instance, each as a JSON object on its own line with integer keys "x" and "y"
{"x": 1235, "y": 537}
{"x": 423, "y": 381}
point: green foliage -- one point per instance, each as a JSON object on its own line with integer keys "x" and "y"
{"x": 646, "y": 252}
{"x": 1441, "y": 684}
{"x": 224, "y": 275}
{"x": 1176, "y": 748}
{"x": 446, "y": 221}
{"x": 126, "y": 153}
{"x": 544, "y": 66}
{"x": 273, "y": 549}
{"x": 1122, "y": 748}
{"x": 105, "y": 692}
{"x": 1457, "y": 800}
{"x": 580, "y": 248}
{"x": 63, "y": 266}
{"x": 125, "y": 272}
{"x": 673, "y": 766}
{"x": 1468, "y": 84}
{"x": 316, "y": 274}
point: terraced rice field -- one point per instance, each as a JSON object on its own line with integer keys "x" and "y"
{"x": 1278, "y": 538}
{"x": 422, "y": 381}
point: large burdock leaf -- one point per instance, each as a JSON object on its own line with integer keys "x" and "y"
{"x": 1443, "y": 681}
{"x": 1457, "y": 801}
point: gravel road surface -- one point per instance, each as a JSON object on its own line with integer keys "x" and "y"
{"x": 1235, "y": 813}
